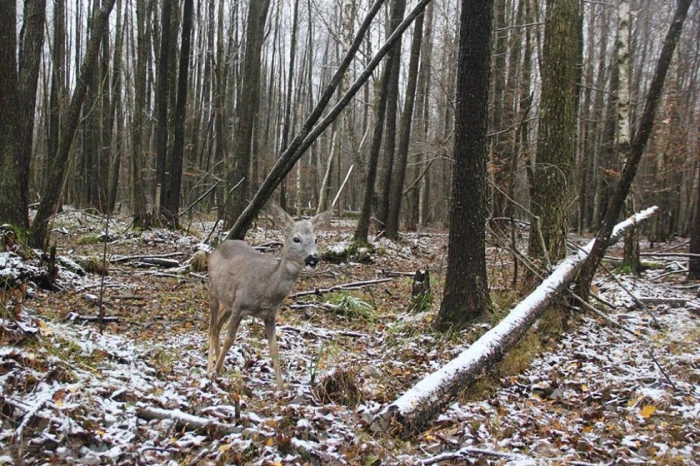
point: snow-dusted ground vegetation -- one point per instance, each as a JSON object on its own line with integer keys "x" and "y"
{"x": 138, "y": 393}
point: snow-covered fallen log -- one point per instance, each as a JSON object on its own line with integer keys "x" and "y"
{"x": 411, "y": 411}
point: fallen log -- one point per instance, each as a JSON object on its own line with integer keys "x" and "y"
{"x": 410, "y": 412}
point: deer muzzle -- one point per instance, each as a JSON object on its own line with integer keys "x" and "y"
{"x": 311, "y": 261}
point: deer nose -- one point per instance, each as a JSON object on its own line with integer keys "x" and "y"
{"x": 311, "y": 260}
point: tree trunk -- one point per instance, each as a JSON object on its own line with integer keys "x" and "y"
{"x": 137, "y": 161}
{"x": 296, "y": 148}
{"x": 557, "y": 131}
{"x": 398, "y": 8}
{"x": 631, "y": 255}
{"x": 397, "y": 181}
{"x": 162, "y": 91}
{"x": 115, "y": 110}
{"x": 172, "y": 205}
{"x": 247, "y": 110}
{"x": 694, "y": 261}
{"x": 466, "y": 294}
{"x": 39, "y": 234}
{"x": 423, "y": 118}
{"x": 409, "y": 413}
{"x": 637, "y": 149}
{"x": 18, "y": 102}
{"x": 362, "y": 230}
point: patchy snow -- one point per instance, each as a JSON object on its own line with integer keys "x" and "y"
{"x": 82, "y": 396}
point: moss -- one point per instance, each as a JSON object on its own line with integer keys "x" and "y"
{"x": 95, "y": 265}
{"x": 351, "y": 306}
{"x": 87, "y": 240}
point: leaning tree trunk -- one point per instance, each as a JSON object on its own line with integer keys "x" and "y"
{"x": 408, "y": 414}
{"x": 306, "y": 135}
{"x": 638, "y": 144}
{"x": 39, "y": 234}
{"x": 292, "y": 154}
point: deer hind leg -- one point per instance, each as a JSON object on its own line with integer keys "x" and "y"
{"x": 228, "y": 341}
{"x": 214, "y": 329}
{"x": 274, "y": 352}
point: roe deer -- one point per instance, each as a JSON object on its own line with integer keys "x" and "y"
{"x": 244, "y": 282}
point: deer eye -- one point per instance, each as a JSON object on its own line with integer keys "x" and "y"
{"x": 315, "y": 240}
{"x": 297, "y": 239}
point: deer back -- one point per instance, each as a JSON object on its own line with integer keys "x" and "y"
{"x": 239, "y": 273}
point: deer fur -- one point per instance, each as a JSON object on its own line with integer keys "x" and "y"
{"x": 244, "y": 282}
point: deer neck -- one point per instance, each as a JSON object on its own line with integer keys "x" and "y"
{"x": 286, "y": 275}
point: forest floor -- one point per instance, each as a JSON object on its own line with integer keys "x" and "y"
{"x": 138, "y": 393}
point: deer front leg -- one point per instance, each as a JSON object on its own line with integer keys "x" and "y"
{"x": 274, "y": 353}
{"x": 228, "y": 341}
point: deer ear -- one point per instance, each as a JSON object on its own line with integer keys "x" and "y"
{"x": 322, "y": 220}
{"x": 279, "y": 217}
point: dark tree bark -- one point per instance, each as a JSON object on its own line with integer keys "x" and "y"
{"x": 637, "y": 149}
{"x": 466, "y": 294}
{"x": 296, "y": 148}
{"x": 557, "y": 131}
{"x": 115, "y": 107}
{"x": 18, "y": 88}
{"x": 420, "y": 172}
{"x": 247, "y": 109}
{"x": 58, "y": 84}
{"x": 39, "y": 233}
{"x": 288, "y": 101}
{"x": 306, "y": 136}
{"x": 362, "y": 229}
{"x": 391, "y": 93}
{"x": 220, "y": 98}
{"x": 172, "y": 204}
{"x": 694, "y": 261}
{"x": 162, "y": 105}
{"x": 499, "y": 141}
{"x": 608, "y": 165}
{"x": 137, "y": 163}
{"x": 10, "y": 166}
{"x": 397, "y": 181}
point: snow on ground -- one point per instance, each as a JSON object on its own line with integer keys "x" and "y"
{"x": 139, "y": 394}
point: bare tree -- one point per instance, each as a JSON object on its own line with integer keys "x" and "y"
{"x": 247, "y": 109}
{"x": 173, "y": 186}
{"x": 18, "y": 86}
{"x": 466, "y": 294}
{"x": 555, "y": 145}
{"x": 637, "y": 148}
{"x": 391, "y": 93}
{"x": 39, "y": 233}
{"x": 397, "y": 181}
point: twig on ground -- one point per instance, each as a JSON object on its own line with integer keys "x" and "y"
{"x": 344, "y": 286}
